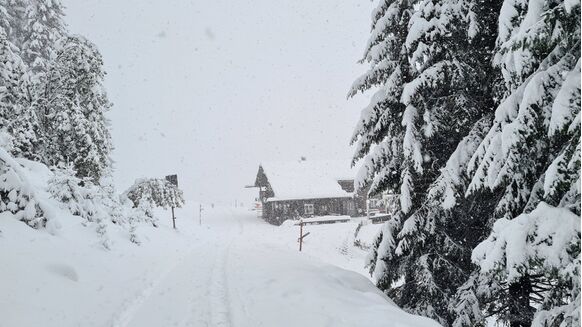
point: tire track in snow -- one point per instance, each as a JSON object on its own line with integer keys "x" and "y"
{"x": 131, "y": 306}
{"x": 220, "y": 313}
{"x": 218, "y": 306}
{"x": 239, "y": 311}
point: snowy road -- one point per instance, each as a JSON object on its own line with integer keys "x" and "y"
{"x": 234, "y": 271}
{"x": 194, "y": 291}
{"x": 234, "y": 276}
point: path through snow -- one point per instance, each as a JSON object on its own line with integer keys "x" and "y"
{"x": 234, "y": 271}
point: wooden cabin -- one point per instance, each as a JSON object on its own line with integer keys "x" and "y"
{"x": 290, "y": 190}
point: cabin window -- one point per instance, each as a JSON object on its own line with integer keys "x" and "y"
{"x": 308, "y": 208}
{"x": 350, "y": 205}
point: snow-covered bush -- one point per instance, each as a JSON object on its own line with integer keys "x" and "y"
{"x": 77, "y": 195}
{"x": 81, "y": 198}
{"x": 147, "y": 193}
{"x": 134, "y": 216}
{"x": 16, "y": 194}
{"x": 98, "y": 204}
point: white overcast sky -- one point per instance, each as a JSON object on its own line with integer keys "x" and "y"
{"x": 209, "y": 89}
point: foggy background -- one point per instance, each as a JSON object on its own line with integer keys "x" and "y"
{"x": 209, "y": 89}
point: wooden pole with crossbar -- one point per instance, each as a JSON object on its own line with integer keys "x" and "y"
{"x": 300, "y": 235}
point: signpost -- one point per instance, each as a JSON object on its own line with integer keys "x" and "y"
{"x": 301, "y": 235}
{"x": 173, "y": 179}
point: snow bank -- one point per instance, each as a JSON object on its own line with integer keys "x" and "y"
{"x": 69, "y": 279}
{"x": 331, "y": 243}
{"x": 313, "y": 294}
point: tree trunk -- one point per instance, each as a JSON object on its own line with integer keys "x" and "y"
{"x": 520, "y": 311}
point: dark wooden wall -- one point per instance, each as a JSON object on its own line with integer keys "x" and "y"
{"x": 276, "y": 212}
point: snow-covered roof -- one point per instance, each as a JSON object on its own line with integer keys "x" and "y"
{"x": 308, "y": 179}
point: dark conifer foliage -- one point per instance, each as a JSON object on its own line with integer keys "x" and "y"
{"x": 457, "y": 130}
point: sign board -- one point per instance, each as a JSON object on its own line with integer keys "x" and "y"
{"x": 173, "y": 179}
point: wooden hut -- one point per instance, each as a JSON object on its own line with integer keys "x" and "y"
{"x": 290, "y": 190}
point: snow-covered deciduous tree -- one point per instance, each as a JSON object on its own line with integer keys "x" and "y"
{"x": 147, "y": 193}
{"x": 73, "y": 105}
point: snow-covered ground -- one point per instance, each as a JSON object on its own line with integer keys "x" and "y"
{"x": 233, "y": 270}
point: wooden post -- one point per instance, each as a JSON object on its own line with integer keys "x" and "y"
{"x": 300, "y": 234}
{"x": 173, "y": 179}
{"x": 200, "y": 215}
{"x": 173, "y": 218}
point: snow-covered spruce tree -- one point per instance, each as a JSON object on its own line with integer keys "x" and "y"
{"x": 11, "y": 81}
{"x": 41, "y": 28}
{"x": 12, "y": 19}
{"x": 17, "y": 116}
{"x": 73, "y": 105}
{"x": 408, "y": 133}
{"x": 148, "y": 193}
{"x": 531, "y": 154}
{"x": 379, "y": 134}
{"x": 543, "y": 245}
